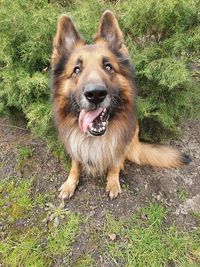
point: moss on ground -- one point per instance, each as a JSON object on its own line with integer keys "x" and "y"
{"x": 15, "y": 201}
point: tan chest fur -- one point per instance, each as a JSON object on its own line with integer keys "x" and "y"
{"x": 96, "y": 154}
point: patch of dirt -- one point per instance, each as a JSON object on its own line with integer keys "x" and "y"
{"x": 177, "y": 189}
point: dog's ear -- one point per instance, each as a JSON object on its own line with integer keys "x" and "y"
{"x": 66, "y": 38}
{"x": 109, "y": 31}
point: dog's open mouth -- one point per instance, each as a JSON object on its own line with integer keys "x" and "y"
{"x": 94, "y": 121}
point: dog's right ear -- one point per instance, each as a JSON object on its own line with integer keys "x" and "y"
{"x": 66, "y": 38}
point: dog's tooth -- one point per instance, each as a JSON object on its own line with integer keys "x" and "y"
{"x": 104, "y": 110}
{"x": 104, "y": 123}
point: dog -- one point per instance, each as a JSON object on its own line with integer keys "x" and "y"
{"x": 93, "y": 98}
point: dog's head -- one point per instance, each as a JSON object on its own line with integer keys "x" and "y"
{"x": 95, "y": 82}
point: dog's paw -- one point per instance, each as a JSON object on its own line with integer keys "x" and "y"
{"x": 113, "y": 188}
{"x": 67, "y": 189}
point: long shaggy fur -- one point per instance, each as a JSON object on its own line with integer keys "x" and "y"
{"x": 97, "y": 154}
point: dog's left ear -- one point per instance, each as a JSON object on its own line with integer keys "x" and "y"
{"x": 109, "y": 31}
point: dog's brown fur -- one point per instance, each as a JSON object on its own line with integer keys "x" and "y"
{"x": 109, "y": 151}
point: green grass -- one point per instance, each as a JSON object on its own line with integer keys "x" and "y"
{"x": 36, "y": 247}
{"x": 196, "y": 216}
{"x": 144, "y": 240}
{"x": 85, "y": 261}
{"x": 32, "y": 236}
{"x": 28, "y": 240}
{"x": 24, "y": 153}
{"x": 182, "y": 195}
{"x": 60, "y": 241}
{"x": 23, "y": 250}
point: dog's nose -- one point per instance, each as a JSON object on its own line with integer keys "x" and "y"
{"x": 95, "y": 93}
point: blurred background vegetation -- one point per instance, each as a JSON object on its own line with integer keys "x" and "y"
{"x": 163, "y": 38}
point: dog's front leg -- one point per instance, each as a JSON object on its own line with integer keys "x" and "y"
{"x": 67, "y": 189}
{"x": 113, "y": 187}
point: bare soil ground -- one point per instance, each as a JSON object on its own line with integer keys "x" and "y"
{"x": 177, "y": 189}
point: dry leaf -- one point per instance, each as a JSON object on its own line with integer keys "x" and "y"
{"x": 62, "y": 205}
{"x": 56, "y": 222}
{"x": 112, "y": 236}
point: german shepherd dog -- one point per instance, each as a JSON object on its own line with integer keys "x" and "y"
{"x": 94, "y": 106}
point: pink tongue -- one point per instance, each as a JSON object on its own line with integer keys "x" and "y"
{"x": 85, "y": 118}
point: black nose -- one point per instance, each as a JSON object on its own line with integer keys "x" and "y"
{"x": 95, "y": 93}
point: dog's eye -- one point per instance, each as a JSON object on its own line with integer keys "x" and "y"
{"x": 108, "y": 67}
{"x": 77, "y": 70}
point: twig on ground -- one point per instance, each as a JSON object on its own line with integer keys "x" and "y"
{"x": 13, "y": 126}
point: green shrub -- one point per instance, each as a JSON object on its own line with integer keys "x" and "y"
{"x": 163, "y": 38}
